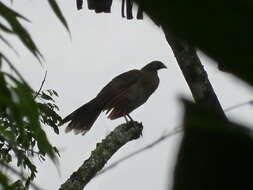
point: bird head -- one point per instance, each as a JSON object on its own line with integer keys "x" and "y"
{"x": 154, "y": 66}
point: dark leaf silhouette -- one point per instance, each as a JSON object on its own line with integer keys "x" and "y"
{"x": 221, "y": 29}
{"x": 21, "y": 116}
{"x": 214, "y": 153}
{"x": 58, "y": 13}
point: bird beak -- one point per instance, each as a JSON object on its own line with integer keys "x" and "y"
{"x": 164, "y": 67}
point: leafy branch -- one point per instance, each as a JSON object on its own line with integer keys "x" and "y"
{"x": 23, "y": 112}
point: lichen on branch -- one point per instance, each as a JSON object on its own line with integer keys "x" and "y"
{"x": 102, "y": 153}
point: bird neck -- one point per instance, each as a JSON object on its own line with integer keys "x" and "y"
{"x": 148, "y": 69}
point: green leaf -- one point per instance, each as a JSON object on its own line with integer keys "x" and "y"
{"x": 49, "y": 116}
{"x": 5, "y": 29}
{"x": 18, "y": 185}
{"x": 56, "y": 151}
{"x": 58, "y": 13}
{"x": 3, "y": 57}
{"x": 12, "y": 18}
{"x": 55, "y": 93}
{"x": 8, "y": 44}
{"x": 16, "y": 14}
{"x": 4, "y": 181}
{"x": 46, "y": 97}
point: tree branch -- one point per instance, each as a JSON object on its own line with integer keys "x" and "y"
{"x": 103, "y": 152}
{"x": 250, "y": 102}
{"x": 151, "y": 145}
{"x": 194, "y": 73}
{"x": 175, "y": 131}
{"x": 188, "y": 61}
{"x": 42, "y": 83}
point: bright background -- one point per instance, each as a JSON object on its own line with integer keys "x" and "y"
{"x": 102, "y": 46}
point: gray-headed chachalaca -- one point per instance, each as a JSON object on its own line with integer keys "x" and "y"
{"x": 121, "y": 96}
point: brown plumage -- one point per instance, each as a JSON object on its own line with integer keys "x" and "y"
{"x": 118, "y": 98}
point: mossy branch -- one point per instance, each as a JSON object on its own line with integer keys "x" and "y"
{"x": 103, "y": 152}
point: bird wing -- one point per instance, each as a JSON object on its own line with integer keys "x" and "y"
{"x": 133, "y": 96}
{"x": 118, "y": 85}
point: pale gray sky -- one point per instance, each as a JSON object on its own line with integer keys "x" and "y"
{"x": 102, "y": 46}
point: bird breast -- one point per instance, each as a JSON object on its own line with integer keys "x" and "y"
{"x": 142, "y": 89}
{"x": 147, "y": 84}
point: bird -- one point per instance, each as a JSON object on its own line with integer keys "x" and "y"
{"x": 123, "y": 94}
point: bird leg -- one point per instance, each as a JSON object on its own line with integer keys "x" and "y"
{"x": 127, "y": 115}
{"x": 134, "y": 123}
{"x": 131, "y": 122}
{"x": 127, "y": 121}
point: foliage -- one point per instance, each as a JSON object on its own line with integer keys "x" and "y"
{"x": 14, "y": 27}
{"x": 47, "y": 109}
{"x": 214, "y": 153}
{"x": 21, "y": 117}
{"x": 23, "y": 112}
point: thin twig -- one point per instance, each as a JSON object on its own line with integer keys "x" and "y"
{"x": 42, "y": 83}
{"x": 13, "y": 68}
{"x": 151, "y": 145}
{"x": 238, "y": 105}
{"x": 156, "y": 142}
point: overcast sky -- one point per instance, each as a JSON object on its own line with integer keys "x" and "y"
{"x": 102, "y": 46}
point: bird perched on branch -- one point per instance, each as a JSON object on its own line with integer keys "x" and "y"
{"x": 118, "y": 98}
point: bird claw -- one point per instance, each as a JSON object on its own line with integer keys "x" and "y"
{"x": 133, "y": 123}
{"x": 139, "y": 125}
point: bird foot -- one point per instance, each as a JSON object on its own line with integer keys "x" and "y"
{"x": 131, "y": 123}
{"x": 134, "y": 124}
{"x": 137, "y": 125}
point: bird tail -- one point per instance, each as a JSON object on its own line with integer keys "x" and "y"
{"x": 82, "y": 119}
